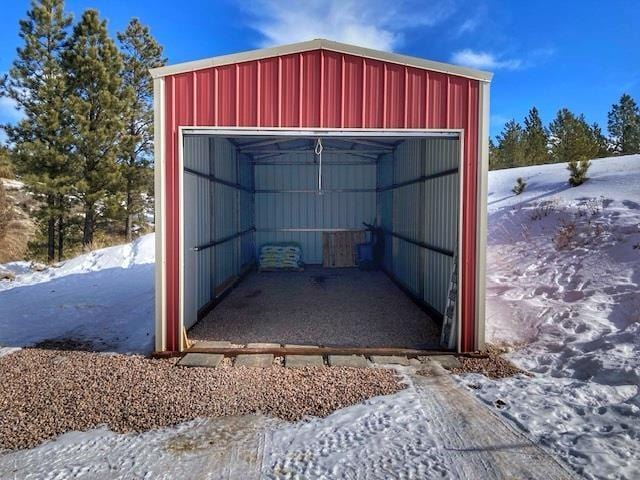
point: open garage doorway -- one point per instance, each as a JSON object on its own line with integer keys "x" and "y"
{"x": 396, "y": 193}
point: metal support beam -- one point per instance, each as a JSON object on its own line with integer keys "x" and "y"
{"x": 346, "y": 229}
{"x": 423, "y": 178}
{"x": 324, "y": 190}
{"x": 223, "y": 240}
{"x": 215, "y": 179}
{"x": 418, "y": 243}
{"x": 277, "y": 153}
{"x": 312, "y": 163}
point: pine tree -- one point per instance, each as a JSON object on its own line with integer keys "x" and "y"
{"x": 36, "y": 82}
{"x": 494, "y": 159}
{"x": 536, "y": 139}
{"x": 98, "y": 104}
{"x": 624, "y": 126}
{"x": 140, "y": 52}
{"x": 572, "y": 141}
{"x": 571, "y": 138}
{"x": 509, "y": 151}
{"x": 600, "y": 140}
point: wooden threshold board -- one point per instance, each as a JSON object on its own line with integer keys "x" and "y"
{"x": 366, "y": 351}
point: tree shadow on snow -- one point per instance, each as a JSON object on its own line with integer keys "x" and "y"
{"x": 105, "y": 310}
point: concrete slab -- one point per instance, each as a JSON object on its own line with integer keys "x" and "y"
{"x": 389, "y": 360}
{"x": 291, "y": 345}
{"x": 295, "y": 361}
{"x": 262, "y": 360}
{"x": 355, "y": 361}
{"x": 262, "y": 345}
{"x": 210, "y": 360}
{"x": 212, "y": 344}
{"x": 447, "y": 361}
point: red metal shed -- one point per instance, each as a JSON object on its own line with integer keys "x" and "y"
{"x": 353, "y": 98}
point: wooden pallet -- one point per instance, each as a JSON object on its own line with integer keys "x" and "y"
{"x": 339, "y": 248}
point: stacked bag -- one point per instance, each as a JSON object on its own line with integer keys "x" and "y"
{"x": 274, "y": 256}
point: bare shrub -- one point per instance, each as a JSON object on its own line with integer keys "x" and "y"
{"x": 542, "y": 209}
{"x": 565, "y": 234}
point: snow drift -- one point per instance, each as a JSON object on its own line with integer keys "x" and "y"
{"x": 563, "y": 275}
{"x": 103, "y": 300}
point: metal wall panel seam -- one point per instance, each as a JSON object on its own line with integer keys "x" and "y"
{"x": 300, "y": 87}
{"x": 405, "y": 103}
{"x": 342, "y": 95}
{"x": 321, "y": 92}
{"x": 384, "y": 96}
{"x": 237, "y": 93}
{"x": 279, "y": 84}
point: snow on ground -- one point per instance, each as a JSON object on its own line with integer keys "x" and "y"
{"x": 563, "y": 277}
{"x": 563, "y": 280}
{"x": 104, "y": 298}
{"x": 422, "y": 432}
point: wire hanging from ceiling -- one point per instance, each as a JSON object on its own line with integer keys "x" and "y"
{"x": 318, "y": 151}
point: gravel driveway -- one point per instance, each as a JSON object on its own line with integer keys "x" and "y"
{"x": 48, "y": 392}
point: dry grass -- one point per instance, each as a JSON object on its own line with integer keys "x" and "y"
{"x": 493, "y": 366}
{"x": 48, "y": 392}
{"x": 19, "y": 228}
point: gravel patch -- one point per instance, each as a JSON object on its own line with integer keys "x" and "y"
{"x": 494, "y": 366}
{"x": 320, "y": 306}
{"x": 46, "y": 393}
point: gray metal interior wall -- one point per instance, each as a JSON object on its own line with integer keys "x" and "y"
{"x": 309, "y": 210}
{"x": 247, "y": 216}
{"x": 213, "y": 211}
{"x": 385, "y": 206}
{"x": 425, "y": 211}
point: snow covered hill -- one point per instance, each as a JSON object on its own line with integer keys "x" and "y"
{"x": 102, "y": 300}
{"x": 563, "y": 278}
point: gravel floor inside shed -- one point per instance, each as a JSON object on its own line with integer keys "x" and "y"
{"x": 320, "y": 306}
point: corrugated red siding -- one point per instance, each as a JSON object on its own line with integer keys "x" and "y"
{"x": 326, "y": 89}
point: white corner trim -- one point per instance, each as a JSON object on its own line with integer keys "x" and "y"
{"x": 481, "y": 235}
{"x": 461, "y": 221}
{"x": 181, "y": 345}
{"x": 159, "y": 188}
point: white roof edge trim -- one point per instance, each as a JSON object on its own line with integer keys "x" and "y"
{"x": 323, "y": 44}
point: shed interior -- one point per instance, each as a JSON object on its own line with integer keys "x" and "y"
{"x": 241, "y": 192}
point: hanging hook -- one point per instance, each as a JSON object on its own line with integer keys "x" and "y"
{"x": 318, "y": 151}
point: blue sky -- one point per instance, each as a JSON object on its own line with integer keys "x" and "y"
{"x": 577, "y": 54}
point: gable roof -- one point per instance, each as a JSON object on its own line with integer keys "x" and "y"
{"x": 321, "y": 44}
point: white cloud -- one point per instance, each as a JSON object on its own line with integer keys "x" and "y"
{"x": 374, "y": 23}
{"x": 468, "y": 26}
{"x": 8, "y": 111}
{"x": 498, "y": 120}
{"x": 490, "y": 61}
{"x": 485, "y": 60}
